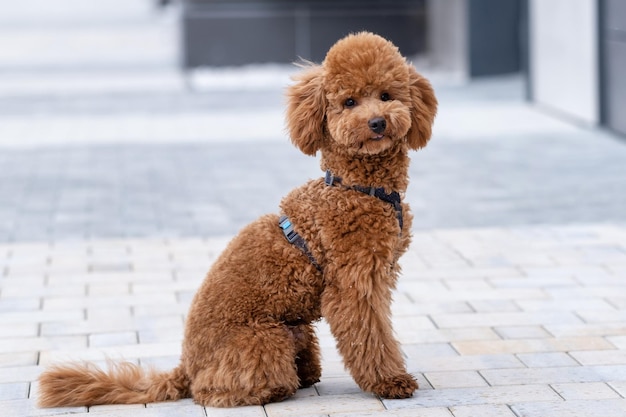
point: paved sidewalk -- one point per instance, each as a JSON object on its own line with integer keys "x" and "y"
{"x": 119, "y": 186}
{"x": 509, "y": 321}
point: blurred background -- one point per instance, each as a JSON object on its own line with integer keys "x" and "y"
{"x": 127, "y": 118}
{"x": 556, "y": 44}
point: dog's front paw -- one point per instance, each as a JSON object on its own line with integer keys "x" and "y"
{"x": 400, "y": 386}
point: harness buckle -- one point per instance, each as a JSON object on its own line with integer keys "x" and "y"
{"x": 295, "y": 239}
{"x": 287, "y": 229}
{"x": 329, "y": 179}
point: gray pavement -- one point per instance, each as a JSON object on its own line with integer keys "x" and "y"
{"x": 121, "y": 179}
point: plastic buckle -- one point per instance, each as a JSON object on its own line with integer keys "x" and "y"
{"x": 329, "y": 179}
{"x": 285, "y": 224}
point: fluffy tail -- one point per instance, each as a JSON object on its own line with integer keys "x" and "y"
{"x": 124, "y": 383}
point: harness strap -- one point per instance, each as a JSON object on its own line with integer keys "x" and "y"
{"x": 392, "y": 198}
{"x": 295, "y": 239}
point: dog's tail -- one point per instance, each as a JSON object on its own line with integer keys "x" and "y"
{"x": 124, "y": 383}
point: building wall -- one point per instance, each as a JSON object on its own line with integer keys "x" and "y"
{"x": 613, "y": 43}
{"x": 447, "y": 36}
{"x": 564, "y": 57}
{"x": 473, "y": 38}
{"x": 494, "y": 38}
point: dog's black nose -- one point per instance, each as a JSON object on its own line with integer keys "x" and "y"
{"x": 377, "y": 124}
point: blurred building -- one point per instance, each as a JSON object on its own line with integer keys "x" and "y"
{"x": 233, "y": 32}
{"x": 573, "y": 52}
{"x": 578, "y": 59}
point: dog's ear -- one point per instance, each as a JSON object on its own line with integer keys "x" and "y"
{"x": 306, "y": 109}
{"x": 423, "y": 110}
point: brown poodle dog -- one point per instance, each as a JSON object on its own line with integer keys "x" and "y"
{"x": 249, "y": 337}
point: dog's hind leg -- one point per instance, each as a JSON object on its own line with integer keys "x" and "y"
{"x": 258, "y": 366}
{"x": 307, "y": 354}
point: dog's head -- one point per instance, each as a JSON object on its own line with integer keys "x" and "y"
{"x": 365, "y": 97}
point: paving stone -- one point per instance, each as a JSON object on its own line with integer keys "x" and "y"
{"x": 464, "y": 363}
{"x": 27, "y": 407}
{"x": 111, "y": 314}
{"x": 18, "y": 359}
{"x": 40, "y": 316}
{"x": 105, "y": 277}
{"x": 503, "y": 319}
{"x": 337, "y": 386}
{"x": 429, "y": 350}
{"x": 178, "y": 410}
{"x": 619, "y": 387}
{"x": 546, "y": 360}
{"x": 116, "y": 408}
{"x": 466, "y": 284}
{"x": 611, "y": 328}
{"x": 52, "y": 304}
{"x": 554, "y": 375}
{"x": 605, "y": 291}
{"x": 83, "y": 327}
{"x": 611, "y": 357}
{"x": 19, "y": 374}
{"x": 585, "y": 391}
{"x": 416, "y": 293}
{"x": 323, "y": 405}
{"x": 479, "y": 347}
{"x": 456, "y": 379}
{"x": 409, "y": 307}
{"x": 33, "y": 344}
{"x": 412, "y": 324}
{"x": 334, "y": 368}
{"x": 617, "y": 301}
{"x": 115, "y": 352}
{"x": 112, "y": 339}
{"x": 171, "y": 404}
{"x": 305, "y": 392}
{"x": 164, "y": 287}
{"x": 108, "y": 289}
{"x": 448, "y": 335}
{"x": 36, "y": 287}
{"x": 537, "y": 283}
{"x": 13, "y": 330}
{"x": 14, "y": 390}
{"x": 618, "y": 341}
{"x": 522, "y": 332}
{"x": 419, "y": 412}
{"x": 490, "y": 410}
{"x": 489, "y": 306}
{"x": 589, "y": 408}
{"x": 602, "y": 316}
{"x": 179, "y": 309}
{"x": 165, "y": 363}
{"x": 579, "y": 304}
{"x": 19, "y": 304}
{"x": 457, "y": 273}
{"x": 249, "y": 411}
{"x": 160, "y": 334}
{"x": 473, "y": 396}
{"x": 611, "y": 372}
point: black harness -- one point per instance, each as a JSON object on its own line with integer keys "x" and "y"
{"x": 330, "y": 180}
{"x": 392, "y": 198}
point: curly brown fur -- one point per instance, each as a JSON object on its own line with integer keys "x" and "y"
{"x": 249, "y": 337}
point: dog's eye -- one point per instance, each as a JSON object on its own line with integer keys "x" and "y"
{"x": 349, "y": 102}
{"x": 385, "y": 97}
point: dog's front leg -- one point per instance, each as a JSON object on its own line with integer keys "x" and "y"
{"x": 356, "y": 304}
